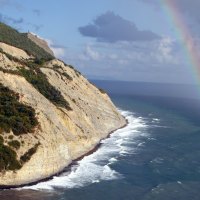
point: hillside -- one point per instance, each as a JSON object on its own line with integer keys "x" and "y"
{"x": 49, "y": 115}
{"x": 40, "y": 42}
{"x": 12, "y": 37}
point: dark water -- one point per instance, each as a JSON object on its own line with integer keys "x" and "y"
{"x": 157, "y": 157}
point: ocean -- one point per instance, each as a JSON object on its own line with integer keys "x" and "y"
{"x": 155, "y": 157}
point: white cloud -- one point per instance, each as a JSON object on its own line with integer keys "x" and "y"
{"x": 92, "y": 54}
{"x": 165, "y": 47}
{"x": 165, "y": 52}
{"x": 11, "y": 3}
{"x": 156, "y": 61}
{"x": 59, "y": 51}
{"x": 187, "y": 10}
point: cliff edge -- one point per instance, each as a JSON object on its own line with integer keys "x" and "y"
{"x": 49, "y": 115}
{"x": 40, "y": 42}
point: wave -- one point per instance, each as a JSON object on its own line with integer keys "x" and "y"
{"x": 98, "y": 166}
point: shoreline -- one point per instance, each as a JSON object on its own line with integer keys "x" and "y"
{"x": 96, "y": 147}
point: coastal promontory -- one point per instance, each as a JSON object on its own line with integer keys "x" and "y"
{"x": 50, "y": 114}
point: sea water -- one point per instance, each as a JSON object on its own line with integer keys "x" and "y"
{"x": 156, "y": 156}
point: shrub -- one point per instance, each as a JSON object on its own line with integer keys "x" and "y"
{"x": 39, "y": 61}
{"x": 14, "y": 115}
{"x": 55, "y": 66}
{"x": 8, "y": 159}
{"x": 15, "y": 144}
{"x": 67, "y": 76}
{"x": 102, "y": 91}
{"x": 10, "y": 137}
{"x": 27, "y": 156}
{"x": 40, "y": 82}
{"x": 13, "y": 37}
{"x": 1, "y": 140}
{"x": 76, "y": 71}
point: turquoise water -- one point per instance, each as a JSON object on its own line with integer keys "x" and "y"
{"x": 157, "y": 156}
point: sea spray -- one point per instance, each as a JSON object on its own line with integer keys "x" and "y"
{"x": 96, "y": 167}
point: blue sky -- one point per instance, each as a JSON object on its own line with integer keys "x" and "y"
{"x": 131, "y": 40}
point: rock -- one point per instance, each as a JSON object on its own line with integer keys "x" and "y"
{"x": 62, "y": 134}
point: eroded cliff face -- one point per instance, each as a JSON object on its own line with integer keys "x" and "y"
{"x": 63, "y": 133}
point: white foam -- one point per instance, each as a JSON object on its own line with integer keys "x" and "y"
{"x": 98, "y": 166}
{"x": 179, "y": 182}
{"x": 112, "y": 160}
{"x": 157, "y": 160}
{"x": 141, "y": 144}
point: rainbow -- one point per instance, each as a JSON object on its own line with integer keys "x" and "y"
{"x": 183, "y": 33}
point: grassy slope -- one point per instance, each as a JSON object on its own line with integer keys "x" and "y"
{"x": 12, "y": 37}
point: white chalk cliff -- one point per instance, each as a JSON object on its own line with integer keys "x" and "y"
{"x": 62, "y": 134}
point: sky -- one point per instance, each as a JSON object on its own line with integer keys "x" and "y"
{"x": 129, "y": 40}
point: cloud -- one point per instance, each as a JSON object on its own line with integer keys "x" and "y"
{"x": 189, "y": 7}
{"x": 111, "y": 28}
{"x": 36, "y": 26}
{"x": 188, "y": 11}
{"x": 37, "y": 12}
{"x": 11, "y": 20}
{"x": 91, "y": 54}
{"x": 4, "y": 3}
{"x": 16, "y": 22}
{"x": 161, "y": 60}
{"x": 58, "y": 50}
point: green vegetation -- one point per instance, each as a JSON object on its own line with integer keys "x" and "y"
{"x": 18, "y": 117}
{"x": 12, "y": 37}
{"x": 10, "y": 57}
{"x": 40, "y": 82}
{"x": 10, "y": 137}
{"x": 14, "y": 115}
{"x": 102, "y": 90}
{"x": 14, "y": 143}
{"x": 1, "y": 139}
{"x": 27, "y": 156}
{"x": 8, "y": 158}
{"x": 67, "y": 76}
{"x": 57, "y": 67}
{"x": 76, "y": 71}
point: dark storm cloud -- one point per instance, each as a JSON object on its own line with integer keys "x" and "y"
{"x": 110, "y": 27}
